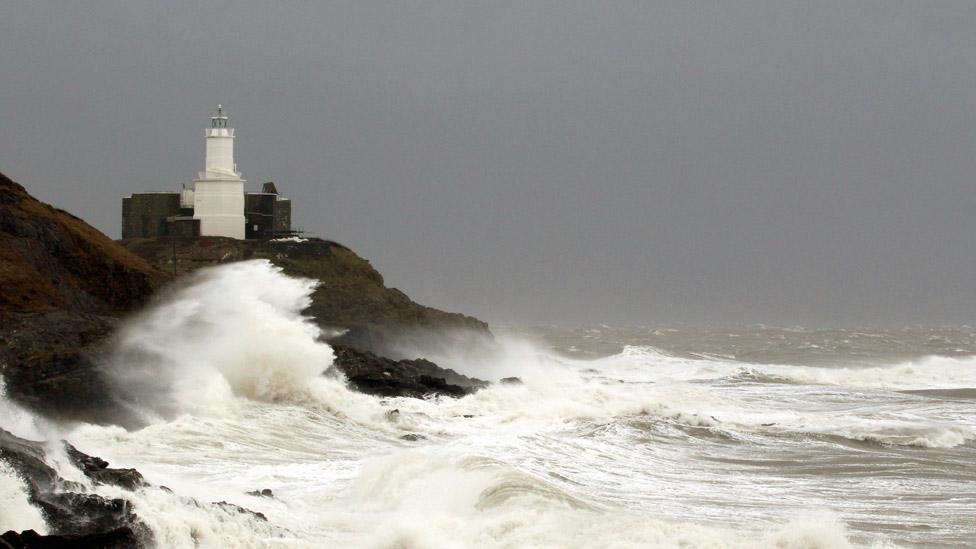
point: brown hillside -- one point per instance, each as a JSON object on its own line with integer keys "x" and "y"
{"x": 64, "y": 286}
{"x": 51, "y": 260}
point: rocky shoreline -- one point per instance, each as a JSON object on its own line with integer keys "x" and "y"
{"x": 380, "y": 376}
{"x": 74, "y": 517}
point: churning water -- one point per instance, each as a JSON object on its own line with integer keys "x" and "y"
{"x": 617, "y": 437}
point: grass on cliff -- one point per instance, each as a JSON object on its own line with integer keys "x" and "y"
{"x": 339, "y": 269}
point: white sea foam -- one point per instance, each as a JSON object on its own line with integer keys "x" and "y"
{"x": 933, "y": 372}
{"x": 422, "y": 499}
{"x": 564, "y": 459}
{"x": 16, "y": 512}
{"x": 234, "y": 331}
{"x": 419, "y": 500}
{"x": 645, "y": 383}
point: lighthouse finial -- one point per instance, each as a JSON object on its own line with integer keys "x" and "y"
{"x": 219, "y": 120}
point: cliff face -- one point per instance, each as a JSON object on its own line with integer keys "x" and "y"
{"x": 351, "y": 295}
{"x": 64, "y": 286}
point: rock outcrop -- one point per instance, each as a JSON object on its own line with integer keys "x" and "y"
{"x": 120, "y": 538}
{"x": 64, "y": 287}
{"x": 74, "y": 517}
{"x": 98, "y": 470}
{"x": 376, "y": 375}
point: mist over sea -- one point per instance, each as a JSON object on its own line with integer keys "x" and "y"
{"x": 616, "y": 436}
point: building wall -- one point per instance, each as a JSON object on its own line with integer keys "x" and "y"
{"x": 259, "y": 208}
{"x": 268, "y": 215}
{"x": 219, "y": 159}
{"x": 282, "y": 215}
{"x": 219, "y": 205}
{"x": 183, "y": 226}
{"x": 263, "y": 215}
{"x": 144, "y": 214}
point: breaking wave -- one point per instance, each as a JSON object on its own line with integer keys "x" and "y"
{"x": 235, "y": 331}
{"x": 932, "y": 372}
{"x": 500, "y": 506}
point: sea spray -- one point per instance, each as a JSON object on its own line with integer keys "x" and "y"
{"x": 23, "y": 423}
{"x": 233, "y": 331}
{"x": 16, "y": 512}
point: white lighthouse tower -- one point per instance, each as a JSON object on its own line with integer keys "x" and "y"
{"x": 218, "y": 195}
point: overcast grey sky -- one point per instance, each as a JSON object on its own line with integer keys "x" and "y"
{"x": 704, "y": 162}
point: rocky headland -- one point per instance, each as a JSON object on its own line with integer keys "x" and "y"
{"x": 67, "y": 287}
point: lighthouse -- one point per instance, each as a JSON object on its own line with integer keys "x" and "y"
{"x": 218, "y": 194}
{"x": 215, "y": 204}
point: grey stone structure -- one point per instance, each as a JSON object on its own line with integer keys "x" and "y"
{"x": 146, "y": 214}
{"x": 182, "y": 225}
{"x": 267, "y": 214}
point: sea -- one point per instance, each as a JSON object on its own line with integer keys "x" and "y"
{"x": 612, "y": 436}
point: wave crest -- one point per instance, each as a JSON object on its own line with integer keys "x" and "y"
{"x": 234, "y": 331}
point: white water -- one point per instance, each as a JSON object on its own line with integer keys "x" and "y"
{"x": 640, "y": 449}
{"x": 15, "y": 511}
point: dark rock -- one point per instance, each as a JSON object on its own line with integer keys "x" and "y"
{"x": 413, "y": 437}
{"x": 71, "y": 513}
{"x": 120, "y": 538}
{"x": 48, "y": 363}
{"x": 75, "y": 519}
{"x": 510, "y": 381}
{"x": 418, "y": 378}
{"x": 241, "y": 510}
{"x": 98, "y": 470}
{"x": 27, "y": 458}
{"x": 266, "y": 493}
